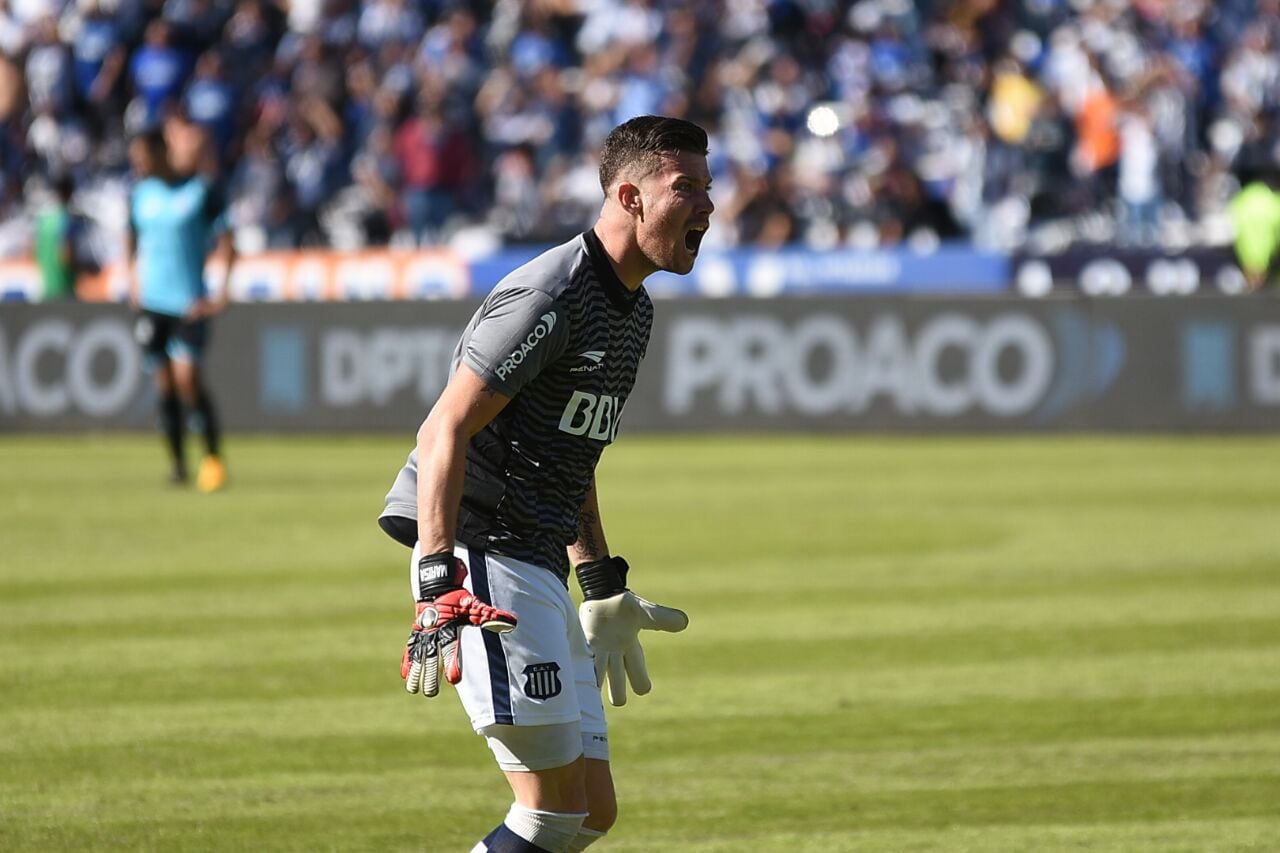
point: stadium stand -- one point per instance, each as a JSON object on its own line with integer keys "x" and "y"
{"x": 1005, "y": 123}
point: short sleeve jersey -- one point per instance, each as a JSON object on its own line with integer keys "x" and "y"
{"x": 174, "y": 224}
{"x": 563, "y": 338}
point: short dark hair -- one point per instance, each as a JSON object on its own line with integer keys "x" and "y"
{"x": 153, "y": 138}
{"x": 642, "y": 141}
{"x": 63, "y": 185}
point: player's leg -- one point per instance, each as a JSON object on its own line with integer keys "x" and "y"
{"x": 514, "y": 690}
{"x": 586, "y": 783}
{"x": 188, "y": 351}
{"x": 550, "y": 803}
{"x": 153, "y": 332}
{"x": 602, "y": 801}
{"x": 553, "y": 794}
{"x": 185, "y": 374}
{"x": 195, "y": 394}
{"x": 187, "y": 348}
{"x": 172, "y": 423}
{"x": 602, "y": 805}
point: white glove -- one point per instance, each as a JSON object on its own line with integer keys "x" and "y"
{"x": 613, "y": 624}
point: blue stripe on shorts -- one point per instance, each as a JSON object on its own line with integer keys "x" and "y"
{"x": 499, "y": 680}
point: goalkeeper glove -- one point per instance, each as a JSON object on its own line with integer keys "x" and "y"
{"x": 444, "y": 608}
{"x": 612, "y": 617}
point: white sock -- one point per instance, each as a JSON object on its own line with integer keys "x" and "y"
{"x": 586, "y": 837}
{"x": 552, "y": 831}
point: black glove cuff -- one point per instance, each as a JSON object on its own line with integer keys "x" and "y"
{"x": 602, "y": 578}
{"x": 438, "y": 574}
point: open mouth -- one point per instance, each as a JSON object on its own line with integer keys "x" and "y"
{"x": 693, "y": 238}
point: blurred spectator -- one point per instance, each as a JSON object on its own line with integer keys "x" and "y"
{"x": 377, "y": 181}
{"x": 318, "y": 73}
{"x": 210, "y": 103}
{"x": 99, "y": 52}
{"x": 434, "y": 163}
{"x": 158, "y": 71}
{"x": 248, "y": 41}
{"x": 13, "y": 150}
{"x": 1255, "y": 213}
{"x": 50, "y": 80}
{"x": 865, "y": 122}
{"x": 59, "y": 243}
{"x": 197, "y": 24}
{"x": 1097, "y": 135}
{"x": 1139, "y": 187}
{"x": 389, "y": 20}
{"x": 517, "y": 207}
{"x": 263, "y": 210}
{"x": 311, "y": 150}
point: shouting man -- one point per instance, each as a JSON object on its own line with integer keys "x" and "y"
{"x": 498, "y": 499}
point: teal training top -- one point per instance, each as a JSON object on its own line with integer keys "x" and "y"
{"x": 174, "y": 225}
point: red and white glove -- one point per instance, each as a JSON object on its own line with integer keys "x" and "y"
{"x": 444, "y": 608}
{"x": 612, "y": 617}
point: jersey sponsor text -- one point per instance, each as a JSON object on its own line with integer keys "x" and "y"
{"x": 592, "y": 415}
{"x": 539, "y": 332}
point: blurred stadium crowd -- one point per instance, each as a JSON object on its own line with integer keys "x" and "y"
{"x": 833, "y": 122}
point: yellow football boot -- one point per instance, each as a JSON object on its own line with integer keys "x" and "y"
{"x": 212, "y": 475}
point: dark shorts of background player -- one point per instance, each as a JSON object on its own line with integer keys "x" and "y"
{"x": 164, "y": 336}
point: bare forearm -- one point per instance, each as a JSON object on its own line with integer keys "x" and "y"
{"x": 131, "y": 267}
{"x": 441, "y": 469}
{"x": 590, "y": 544}
{"x": 464, "y": 408}
{"x": 225, "y": 255}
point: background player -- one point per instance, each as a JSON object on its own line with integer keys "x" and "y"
{"x": 500, "y": 494}
{"x": 175, "y": 214}
{"x": 59, "y": 232}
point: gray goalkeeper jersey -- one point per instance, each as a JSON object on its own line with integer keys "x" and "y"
{"x": 563, "y": 338}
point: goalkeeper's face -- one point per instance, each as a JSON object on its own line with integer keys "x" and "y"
{"x": 676, "y": 203}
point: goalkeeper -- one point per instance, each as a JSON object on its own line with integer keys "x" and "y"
{"x": 498, "y": 499}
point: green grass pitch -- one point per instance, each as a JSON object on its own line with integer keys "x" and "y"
{"x": 1018, "y": 644}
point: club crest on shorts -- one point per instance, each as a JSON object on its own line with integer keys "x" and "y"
{"x": 542, "y": 680}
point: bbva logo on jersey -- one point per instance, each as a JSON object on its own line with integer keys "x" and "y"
{"x": 592, "y": 415}
{"x": 531, "y": 340}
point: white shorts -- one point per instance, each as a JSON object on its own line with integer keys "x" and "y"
{"x": 542, "y": 672}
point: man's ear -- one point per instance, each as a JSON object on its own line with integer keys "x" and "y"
{"x": 628, "y": 196}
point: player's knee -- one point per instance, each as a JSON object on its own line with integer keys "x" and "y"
{"x": 164, "y": 381}
{"x": 186, "y": 389}
{"x": 543, "y": 764}
{"x": 602, "y": 802}
{"x": 602, "y": 810}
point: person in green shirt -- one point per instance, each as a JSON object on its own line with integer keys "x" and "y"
{"x": 58, "y": 230}
{"x": 1255, "y": 213}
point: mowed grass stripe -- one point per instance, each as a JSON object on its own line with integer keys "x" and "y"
{"x": 922, "y": 644}
{"x": 273, "y": 808}
{"x": 1151, "y": 604}
{"x": 920, "y": 767}
{"x": 995, "y": 723}
{"x": 138, "y": 668}
{"x": 718, "y": 791}
{"x": 843, "y": 725}
{"x": 1088, "y": 597}
{"x": 1175, "y": 836}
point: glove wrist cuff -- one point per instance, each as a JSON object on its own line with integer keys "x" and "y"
{"x": 436, "y": 575}
{"x": 602, "y": 578}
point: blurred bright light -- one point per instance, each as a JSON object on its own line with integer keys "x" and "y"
{"x": 1035, "y": 279}
{"x": 823, "y": 121}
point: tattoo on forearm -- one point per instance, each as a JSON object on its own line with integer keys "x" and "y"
{"x": 587, "y": 541}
